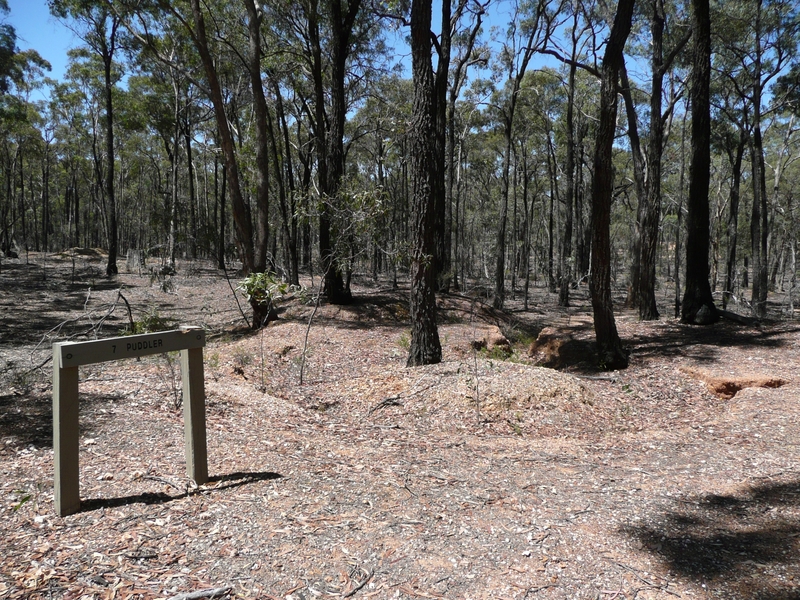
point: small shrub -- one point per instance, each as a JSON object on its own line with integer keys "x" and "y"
{"x": 265, "y": 288}
{"x": 405, "y": 341}
{"x": 242, "y": 357}
{"x": 150, "y": 322}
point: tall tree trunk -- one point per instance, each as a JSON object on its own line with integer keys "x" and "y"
{"x": 222, "y": 216}
{"x": 173, "y": 153}
{"x": 254, "y": 16}
{"x": 193, "y": 234}
{"x": 640, "y": 181}
{"x": 342, "y": 20}
{"x": 458, "y": 79}
{"x": 566, "y": 242}
{"x": 611, "y": 354}
{"x": 651, "y": 215}
{"x": 108, "y": 55}
{"x": 425, "y": 346}
{"x": 289, "y": 213}
{"x": 758, "y": 225}
{"x": 241, "y": 216}
{"x": 441, "y": 257}
{"x": 508, "y": 123}
{"x": 698, "y": 304}
{"x": 735, "y": 157}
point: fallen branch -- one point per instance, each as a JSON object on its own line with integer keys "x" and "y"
{"x": 663, "y": 587}
{"x": 536, "y": 590}
{"x": 165, "y": 481}
{"x": 236, "y": 296}
{"x": 611, "y": 378}
{"x": 391, "y": 401}
{"x": 360, "y": 585}
{"x": 741, "y": 319}
{"x": 210, "y": 593}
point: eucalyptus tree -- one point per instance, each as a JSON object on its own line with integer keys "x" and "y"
{"x": 539, "y": 114}
{"x": 379, "y": 134}
{"x": 697, "y": 306}
{"x": 611, "y": 353}
{"x": 425, "y": 347}
{"x": 70, "y": 123}
{"x": 540, "y": 118}
{"x": 468, "y": 52}
{"x": 526, "y": 33}
{"x": 158, "y": 98}
{"x": 663, "y": 52}
{"x": 99, "y": 27}
{"x": 447, "y": 86}
{"x": 755, "y": 42}
{"x": 329, "y": 50}
{"x": 21, "y": 124}
{"x": 148, "y": 22}
{"x": 83, "y": 93}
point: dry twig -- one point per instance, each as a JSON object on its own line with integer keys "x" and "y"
{"x": 210, "y": 593}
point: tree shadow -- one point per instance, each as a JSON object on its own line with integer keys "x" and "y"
{"x": 37, "y": 300}
{"x": 672, "y": 339}
{"x": 742, "y": 546}
{"x": 28, "y": 418}
{"x": 224, "y": 482}
{"x": 700, "y": 342}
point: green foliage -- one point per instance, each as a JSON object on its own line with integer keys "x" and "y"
{"x": 405, "y": 341}
{"x": 150, "y": 322}
{"x": 501, "y": 353}
{"x": 24, "y": 497}
{"x": 264, "y": 289}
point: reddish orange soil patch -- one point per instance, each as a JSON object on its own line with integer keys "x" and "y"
{"x": 727, "y": 387}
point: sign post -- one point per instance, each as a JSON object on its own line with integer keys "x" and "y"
{"x": 68, "y": 356}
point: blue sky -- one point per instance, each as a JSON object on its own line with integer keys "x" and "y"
{"x": 39, "y": 31}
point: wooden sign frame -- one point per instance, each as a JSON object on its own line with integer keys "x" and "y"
{"x": 68, "y": 356}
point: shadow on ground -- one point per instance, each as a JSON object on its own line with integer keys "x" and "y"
{"x": 670, "y": 339}
{"x": 743, "y": 546}
{"x": 27, "y": 419}
{"x": 700, "y": 342}
{"x": 223, "y": 482}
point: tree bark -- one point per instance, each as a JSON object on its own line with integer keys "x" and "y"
{"x": 611, "y": 354}
{"x": 425, "y": 346}
{"x": 108, "y": 57}
{"x": 698, "y": 304}
{"x": 566, "y": 242}
{"x": 261, "y": 243}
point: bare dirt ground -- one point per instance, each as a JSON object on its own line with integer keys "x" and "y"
{"x": 482, "y": 477}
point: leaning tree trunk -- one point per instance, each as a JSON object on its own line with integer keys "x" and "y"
{"x": 698, "y": 304}
{"x": 425, "y": 345}
{"x": 241, "y": 215}
{"x": 611, "y": 354}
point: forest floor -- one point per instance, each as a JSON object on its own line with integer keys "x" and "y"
{"x": 485, "y": 476}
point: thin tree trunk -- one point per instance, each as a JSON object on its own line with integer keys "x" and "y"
{"x": 733, "y": 217}
{"x": 611, "y": 354}
{"x": 111, "y": 267}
